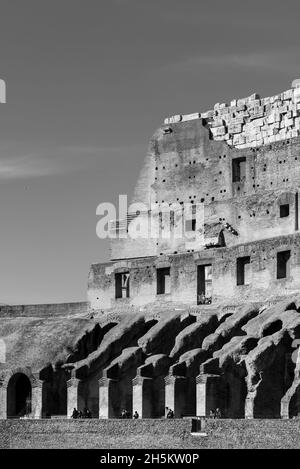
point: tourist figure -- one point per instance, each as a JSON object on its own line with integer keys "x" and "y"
{"x": 80, "y": 414}
{"x": 218, "y": 413}
{"x": 75, "y": 414}
{"x": 135, "y": 415}
{"x": 170, "y": 414}
{"x": 212, "y": 414}
{"x": 87, "y": 413}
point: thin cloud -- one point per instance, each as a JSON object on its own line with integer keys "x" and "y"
{"x": 280, "y": 61}
{"x": 58, "y": 161}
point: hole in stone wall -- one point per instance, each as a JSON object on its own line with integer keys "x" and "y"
{"x": 282, "y": 263}
{"x": 249, "y": 345}
{"x": 163, "y": 281}
{"x": 272, "y": 328}
{"x": 122, "y": 281}
{"x": 223, "y": 318}
{"x": 108, "y": 327}
{"x": 239, "y": 169}
{"x": 243, "y": 270}
{"x": 284, "y": 210}
{"x": 149, "y": 324}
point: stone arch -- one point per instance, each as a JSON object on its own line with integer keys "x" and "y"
{"x": 19, "y": 384}
{"x": 272, "y": 327}
{"x": 274, "y": 380}
{"x": 234, "y": 392}
{"x": 16, "y": 385}
{"x": 19, "y": 396}
{"x": 34, "y": 381}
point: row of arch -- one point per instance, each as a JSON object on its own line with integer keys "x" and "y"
{"x": 22, "y": 399}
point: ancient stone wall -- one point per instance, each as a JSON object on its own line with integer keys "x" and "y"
{"x": 252, "y": 121}
{"x": 262, "y": 283}
{"x": 44, "y": 310}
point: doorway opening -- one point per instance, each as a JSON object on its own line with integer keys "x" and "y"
{"x": 19, "y": 395}
{"x": 204, "y": 284}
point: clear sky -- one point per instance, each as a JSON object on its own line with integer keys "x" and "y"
{"x": 88, "y": 82}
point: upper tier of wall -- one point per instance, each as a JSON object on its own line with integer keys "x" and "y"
{"x": 43, "y": 310}
{"x": 251, "y": 121}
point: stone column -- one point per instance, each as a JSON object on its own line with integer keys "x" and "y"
{"x": 37, "y": 399}
{"x": 74, "y": 397}
{"x": 3, "y": 402}
{"x": 108, "y": 398}
{"x": 284, "y": 408}
{"x": 175, "y": 388}
{"x": 142, "y": 396}
{"x": 207, "y": 394}
{"x": 249, "y": 407}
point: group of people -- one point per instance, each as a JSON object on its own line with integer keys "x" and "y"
{"x": 78, "y": 414}
{"x": 215, "y": 414}
{"x": 169, "y": 414}
{"x": 126, "y": 415}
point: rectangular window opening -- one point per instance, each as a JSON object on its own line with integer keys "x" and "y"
{"x": 282, "y": 263}
{"x": 239, "y": 169}
{"x": 284, "y": 210}
{"x": 243, "y": 270}
{"x": 190, "y": 225}
{"x": 122, "y": 285}
{"x": 163, "y": 281}
{"x": 204, "y": 284}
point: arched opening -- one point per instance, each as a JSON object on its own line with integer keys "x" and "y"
{"x": 223, "y": 318}
{"x": 272, "y": 328}
{"x": 19, "y": 394}
{"x": 221, "y": 239}
{"x": 274, "y": 380}
{"x": 234, "y": 393}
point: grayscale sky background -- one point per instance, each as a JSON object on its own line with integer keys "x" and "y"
{"x": 88, "y": 82}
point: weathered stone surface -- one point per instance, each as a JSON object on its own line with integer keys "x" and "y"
{"x": 193, "y": 335}
{"x": 252, "y": 110}
{"x": 219, "y": 307}
{"x": 162, "y": 336}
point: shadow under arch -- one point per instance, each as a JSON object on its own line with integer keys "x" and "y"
{"x": 19, "y": 395}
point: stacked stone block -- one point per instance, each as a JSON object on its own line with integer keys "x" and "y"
{"x": 252, "y": 121}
